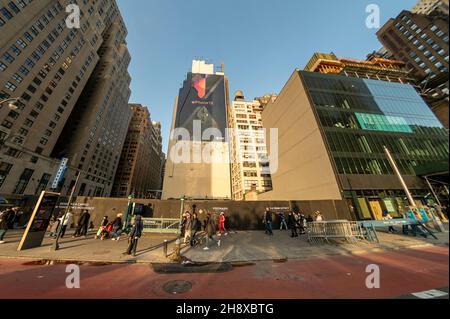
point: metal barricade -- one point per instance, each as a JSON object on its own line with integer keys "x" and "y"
{"x": 325, "y": 231}
{"x": 161, "y": 225}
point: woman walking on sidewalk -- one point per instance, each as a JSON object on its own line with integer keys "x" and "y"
{"x": 222, "y": 224}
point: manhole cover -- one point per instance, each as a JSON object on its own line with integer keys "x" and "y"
{"x": 177, "y": 287}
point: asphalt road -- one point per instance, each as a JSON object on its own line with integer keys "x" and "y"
{"x": 402, "y": 274}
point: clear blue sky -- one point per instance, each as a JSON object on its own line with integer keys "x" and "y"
{"x": 261, "y": 42}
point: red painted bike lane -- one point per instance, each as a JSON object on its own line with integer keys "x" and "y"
{"x": 334, "y": 277}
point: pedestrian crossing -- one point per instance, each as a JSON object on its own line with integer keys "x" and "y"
{"x": 429, "y": 294}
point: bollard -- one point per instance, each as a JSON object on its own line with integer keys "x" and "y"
{"x": 165, "y": 247}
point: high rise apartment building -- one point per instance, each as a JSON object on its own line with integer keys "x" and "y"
{"x": 249, "y": 163}
{"x": 61, "y": 75}
{"x": 139, "y": 168}
{"x": 429, "y": 6}
{"x": 421, "y": 41}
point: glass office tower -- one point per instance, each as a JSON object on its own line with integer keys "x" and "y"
{"x": 357, "y": 118}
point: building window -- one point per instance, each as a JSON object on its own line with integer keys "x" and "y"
{"x": 23, "y": 181}
{"x": 5, "y": 168}
{"x": 10, "y": 86}
{"x": 43, "y": 183}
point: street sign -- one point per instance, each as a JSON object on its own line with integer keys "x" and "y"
{"x": 60, "y": 173}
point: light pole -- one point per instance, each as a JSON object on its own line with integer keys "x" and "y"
{"x": 55, "y": 245}
{"x": 400, "y": 177}
{"x": 127, "y": 213}
{"x": 13, "y": 104}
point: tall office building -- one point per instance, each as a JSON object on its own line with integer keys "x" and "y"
{"x": 48, "y": 65}
{"x": 333, "y": 130}
{"x": 250, "y": 164}
{"x": 139, "y": 168}
{"x": 421, "y": 41}
{"x": 429, "y": 6}
{"x": 198, "y": 158}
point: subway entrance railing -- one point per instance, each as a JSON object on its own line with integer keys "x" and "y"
{"x": 161, "y": 225}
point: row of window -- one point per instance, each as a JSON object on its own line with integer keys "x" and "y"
{"x": 7, "y": 13}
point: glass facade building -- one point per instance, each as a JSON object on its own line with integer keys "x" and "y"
{"x": 358, "y": 117}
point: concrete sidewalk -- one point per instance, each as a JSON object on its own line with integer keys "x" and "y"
{"x": 237, "y": 247}
{"x": 89, "y": 249}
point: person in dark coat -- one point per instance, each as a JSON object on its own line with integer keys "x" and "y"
{"x": 5, "y": 217}
{"x": 196, "y": 226}
{"x": 83, "y": 224}
{"x": 135, "y": 234}
{"x": 268, "y": 221}
{"x": 210, "y": 231}
{"x": 292, "y": 224}
{"x": 117, "y": 227}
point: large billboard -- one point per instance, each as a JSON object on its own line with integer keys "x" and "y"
{"x": 202, "y": 101}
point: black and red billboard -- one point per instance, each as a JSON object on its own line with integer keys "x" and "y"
{"x": 202, "y": 99}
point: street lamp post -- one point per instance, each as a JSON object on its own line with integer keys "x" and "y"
{"x": 127, "y": 213}
{"x": 13, "y": 104}
{"x": 55, "y": 245}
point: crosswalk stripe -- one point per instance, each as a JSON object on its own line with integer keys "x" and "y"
{"x": 430, "y": 294}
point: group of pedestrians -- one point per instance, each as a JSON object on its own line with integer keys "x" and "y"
{"x": 296, "y": 222}
{"x": 191, "y": 226}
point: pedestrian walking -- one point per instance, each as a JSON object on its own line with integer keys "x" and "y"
{"x": 102, "y": 227}
{"x": 196, "y": 227}
{"x": 83, "y": 224}
{"x": 54, "y": 225}
{"x": 268, "y": 221}
{"x": 302, "y": 224}
{"x": 67, "y": 222}
{"x": 135, "y": 234}
{"x": 5, "y": 216}
{"x": 117, "y": 226}
{"x": 187, "y": 227}
{"x": 292, "y": 225}
{"x": 210, "y": 230}
{"x": 222, "y": 228}
{"x": 282, "y": 220}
